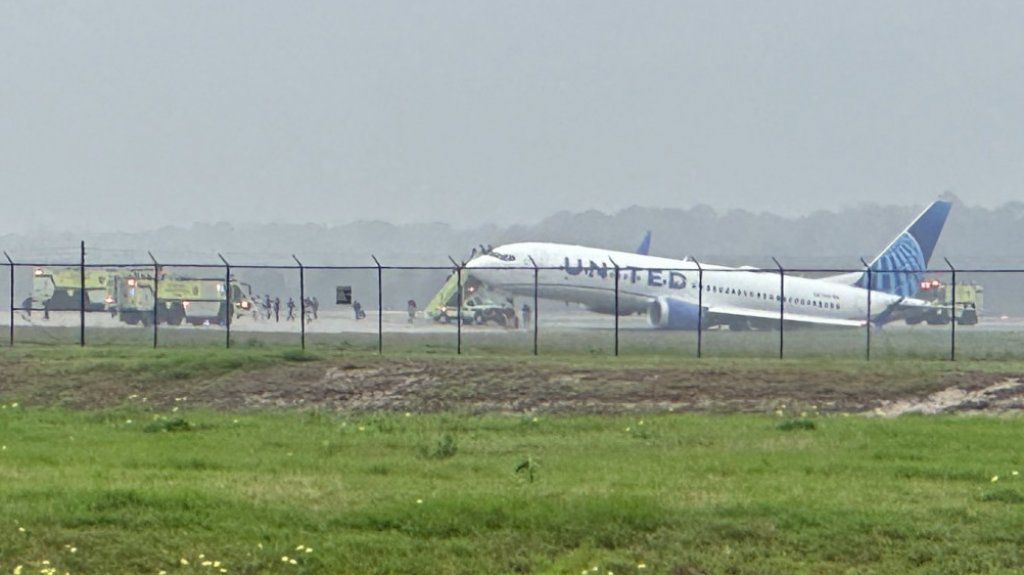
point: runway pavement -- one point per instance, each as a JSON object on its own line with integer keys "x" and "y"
{"x": 343, "y": 321}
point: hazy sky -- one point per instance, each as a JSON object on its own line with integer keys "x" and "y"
{"x": 133, "y": 115}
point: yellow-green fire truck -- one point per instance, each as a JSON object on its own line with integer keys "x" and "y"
{"x": 962, "y": 301}
{"x": 60, "y": 289}
{"x": 197, "y": 301}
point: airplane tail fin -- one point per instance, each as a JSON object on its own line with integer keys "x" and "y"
{"x": 899, "y": 268}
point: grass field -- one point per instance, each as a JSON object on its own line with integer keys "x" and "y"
{"x": 135, "y": 491}
{"x": 152, "y": 479}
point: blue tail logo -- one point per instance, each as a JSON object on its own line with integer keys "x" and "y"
{"x": 898, "y": 270}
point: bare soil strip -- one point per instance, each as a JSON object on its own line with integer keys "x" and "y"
{"x": 504, "y": 385}
{"x": 1002, "y": 396}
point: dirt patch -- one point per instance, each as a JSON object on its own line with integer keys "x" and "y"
{"x": 478, "y": 385}
{"x": 1007, "y": 395}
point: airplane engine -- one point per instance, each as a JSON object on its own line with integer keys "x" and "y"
{"x": 672, "y": 313}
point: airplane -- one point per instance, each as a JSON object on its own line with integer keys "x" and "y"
{"x": 688, "y": 295}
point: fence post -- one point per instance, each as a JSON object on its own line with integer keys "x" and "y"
{"x": 380, "y": 305}
{"x": 782, "y": 307}
{"x": 228, "y": 312}
{"x": 10, "y": 263}
{"x": 700, "y": 304}
{"x": 616, "y": 306}
{"x": 952, "y": 315}
{"x": 536, "y": 311}
{"x": 867, "y": 324}
{"x": 302, "y": 302}
{"x": 156, "y": 297}
{"x": 458, "y": 314}
{"x": 81, "y": 299}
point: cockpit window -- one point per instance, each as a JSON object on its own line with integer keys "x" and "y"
{"x": 501, "y": 256}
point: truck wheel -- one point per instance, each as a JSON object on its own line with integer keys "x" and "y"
{"x": 478, "y": 318}
{"x": 444, "y": 318}
{"x": 968, "y": 317}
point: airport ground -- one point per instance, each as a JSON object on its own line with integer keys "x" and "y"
{"x": 572, "y": 332}
{"x": 264, "y": 458}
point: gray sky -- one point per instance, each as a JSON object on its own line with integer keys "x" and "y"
{"x": 134, "y": 115}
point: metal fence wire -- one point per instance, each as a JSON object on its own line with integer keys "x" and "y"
{"x": 449, "y": 309}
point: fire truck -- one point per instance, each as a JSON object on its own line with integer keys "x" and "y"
{"x": 197, "y": 301}
{"x": 962, "y": 301}
{"x": 60, "y": 289}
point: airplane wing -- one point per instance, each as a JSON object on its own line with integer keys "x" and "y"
{"x": 644, "y": 248}
{"x": 896, "y": 311}
{"x": 787, "y": 316}
{"x": 911, "y": 308}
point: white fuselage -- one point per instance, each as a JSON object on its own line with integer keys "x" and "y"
{"x": 588, "y": 275}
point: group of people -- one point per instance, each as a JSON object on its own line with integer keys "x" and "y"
{"x": 271, "y": 308}
{"x": 483, "y": 250}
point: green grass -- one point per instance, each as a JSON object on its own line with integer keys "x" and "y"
{"x": 140, "y": 485}
{"x": 136, "y": 490}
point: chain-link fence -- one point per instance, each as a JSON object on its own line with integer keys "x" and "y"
{"x": 693, "y": 309}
